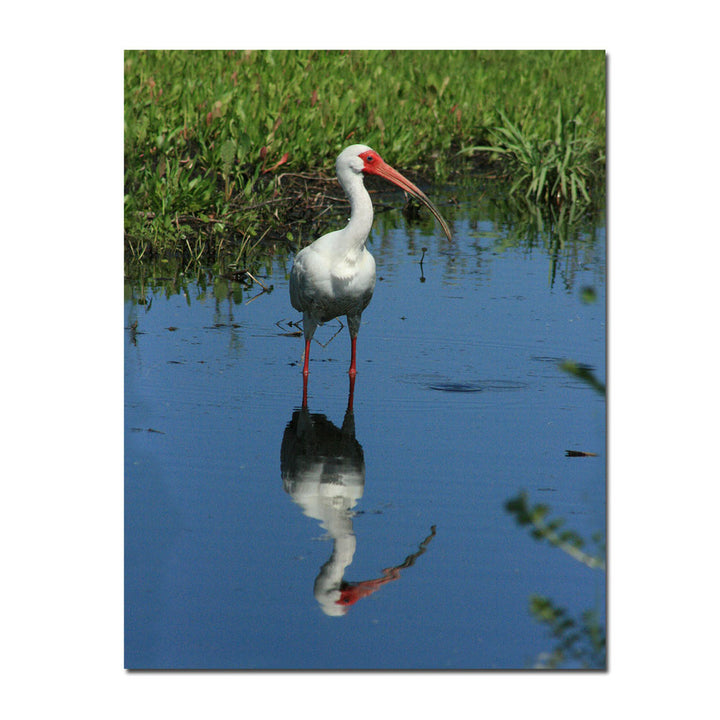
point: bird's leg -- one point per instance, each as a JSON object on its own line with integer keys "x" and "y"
{"x": 353, "y": 370}
{"x": 353, "y": 327}
{"x": 306, "y": 366}
{"x": 306, "y": 372}
{"x": 351, "y": 394}
{"x": 309, "y": 326}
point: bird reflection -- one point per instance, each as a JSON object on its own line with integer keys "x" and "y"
{"x": 323, "y": 471}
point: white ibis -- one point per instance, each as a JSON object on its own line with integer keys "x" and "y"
{"x": 335, "y": 275}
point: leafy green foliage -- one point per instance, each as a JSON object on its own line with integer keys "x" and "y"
{"x": 214, "y": 140}
{"x": 555, "y": 169}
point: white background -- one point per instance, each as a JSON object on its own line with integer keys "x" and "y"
{"x": 62, "y": 394}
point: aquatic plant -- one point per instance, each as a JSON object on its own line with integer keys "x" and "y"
{"x": 554, "y": 169}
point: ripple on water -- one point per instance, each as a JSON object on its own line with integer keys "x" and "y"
{"x": 449, "y": 385}
{"x": 478, "y": 386}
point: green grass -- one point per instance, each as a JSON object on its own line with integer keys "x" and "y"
{"x": 229, "y": 155}
{"x": 548, "y": 169}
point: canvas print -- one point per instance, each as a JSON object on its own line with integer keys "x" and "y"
{"x": 365, "y": 360}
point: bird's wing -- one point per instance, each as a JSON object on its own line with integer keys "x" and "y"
{"x": 295, "y": 279}
{"x": 322, "y": 290}
{"x": 308, "y": 276}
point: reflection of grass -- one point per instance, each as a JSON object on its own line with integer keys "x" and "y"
{"x": 562, "y": 230}
{"x": 568, "y": 237}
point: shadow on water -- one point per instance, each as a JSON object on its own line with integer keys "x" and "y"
{"x": 323, "y": 471}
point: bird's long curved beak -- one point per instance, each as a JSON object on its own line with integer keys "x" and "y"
{"x": 383, "y": 170}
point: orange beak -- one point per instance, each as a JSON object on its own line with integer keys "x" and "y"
{"x": 375, "y": 165}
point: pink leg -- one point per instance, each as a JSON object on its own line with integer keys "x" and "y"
{"x": 306, "y": 372}
{"x": 353, "y": 370}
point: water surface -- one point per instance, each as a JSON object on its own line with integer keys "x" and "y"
{"x": 263, "y": 535}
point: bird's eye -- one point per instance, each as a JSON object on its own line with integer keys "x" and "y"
{"x": 370, "y": 158}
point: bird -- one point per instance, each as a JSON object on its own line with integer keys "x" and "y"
{"x": 335, "y": 275}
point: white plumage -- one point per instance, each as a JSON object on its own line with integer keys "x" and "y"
{"x": 335, "y": 275}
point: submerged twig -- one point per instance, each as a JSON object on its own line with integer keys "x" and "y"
{"x": 422, "y": 270}
{"x": 255, "y": 297}
{"x": 265, "y": 288}
{"x": 252, "y": 277}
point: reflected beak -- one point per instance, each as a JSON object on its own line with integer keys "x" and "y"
{"x": 383, "y": 170}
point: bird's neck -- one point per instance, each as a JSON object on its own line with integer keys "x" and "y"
{"x": 361, "y": 212}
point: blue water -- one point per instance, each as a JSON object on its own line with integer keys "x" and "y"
{"x": 259, "y": 535}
